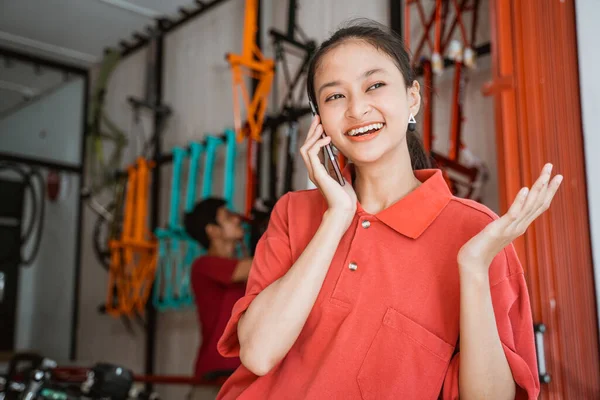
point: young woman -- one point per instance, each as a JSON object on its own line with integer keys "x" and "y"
{"x": 387, "y": 287}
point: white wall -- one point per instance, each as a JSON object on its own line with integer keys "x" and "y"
{"x": 197, "y": 86}
{"x": 37, "y": 131}
{"x": 45, "y": 300}
{"x": 101, "y": 337}
{"x": 588, "y": 14}
{"x": 45, "y": 295}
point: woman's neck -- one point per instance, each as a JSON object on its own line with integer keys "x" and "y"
{"x": 379, "y": 185}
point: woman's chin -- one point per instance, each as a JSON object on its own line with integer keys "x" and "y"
{"x": 374, "y": 152}
{"x": 367, "y": 156}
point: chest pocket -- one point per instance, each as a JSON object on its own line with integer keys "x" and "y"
{"x": 404, "y": 361}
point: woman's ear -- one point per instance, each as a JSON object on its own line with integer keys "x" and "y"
{"x": 414, "y": 97}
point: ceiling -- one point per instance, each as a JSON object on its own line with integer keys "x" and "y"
{"x": 76, "y": 32}
{"x": 72, "y": 32}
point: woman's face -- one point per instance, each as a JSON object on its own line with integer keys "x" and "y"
{"x": 363, "y": 102}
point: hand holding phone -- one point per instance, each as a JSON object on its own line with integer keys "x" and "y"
{"x": 340, "y": 197}
{"x": 329, "y": 152}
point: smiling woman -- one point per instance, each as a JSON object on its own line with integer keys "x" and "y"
{"x": 358, "y": 291}
{"x": 364, "y": 58}
{"x": 361, "y": 99}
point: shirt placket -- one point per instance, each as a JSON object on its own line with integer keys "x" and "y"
{"x": 355, "y": 261}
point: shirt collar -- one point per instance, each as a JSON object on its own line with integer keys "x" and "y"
{"x": 415, "y": 212}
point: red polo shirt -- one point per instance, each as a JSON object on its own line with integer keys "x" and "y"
{"x": 388, "y": 326}
{"x": 215, "y": 295}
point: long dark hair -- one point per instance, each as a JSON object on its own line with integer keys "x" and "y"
{"x": 383, "y": 39}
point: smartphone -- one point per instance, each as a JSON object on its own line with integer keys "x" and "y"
{"x": 329, "y": 151}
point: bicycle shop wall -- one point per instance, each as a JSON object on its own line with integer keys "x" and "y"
{"x": 100, "y": 337}
{"x": 197, "y": 86}
{"x": 47, "y": 128}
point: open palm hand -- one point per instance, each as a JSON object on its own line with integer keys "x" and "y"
{"x": 527, "y": 206}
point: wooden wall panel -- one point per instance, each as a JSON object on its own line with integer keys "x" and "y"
{"x": 538, "y": 120}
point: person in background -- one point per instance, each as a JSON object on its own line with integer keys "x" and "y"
{"x": 218, "y": 280}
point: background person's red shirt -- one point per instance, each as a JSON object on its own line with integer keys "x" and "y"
{"x": 215, "y": 294}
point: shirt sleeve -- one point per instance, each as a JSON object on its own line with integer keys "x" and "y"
{"x": 512, "y": 310}
{"x": 218, "y": 269}
{"x": 272, "y": 259}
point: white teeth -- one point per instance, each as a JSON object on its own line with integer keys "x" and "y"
{"x": 364, "y": 129}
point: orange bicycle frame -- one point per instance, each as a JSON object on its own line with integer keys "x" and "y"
{"x": 252, "y": 63}
{"x": 134, "y": 255}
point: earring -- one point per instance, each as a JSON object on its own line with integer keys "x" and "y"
{"x": 412, "y": 123}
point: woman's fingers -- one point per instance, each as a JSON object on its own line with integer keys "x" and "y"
{"x": 313, "y": 135}
{"x": 307, "y": 163}
{"x": 537, "y": 192}
{"x": 533, "y": 197}
{"x": 314, "y": 132}
{"x": 544, "y": 203}
{"x": 529, "y": 204}
{"x": 316, "y": 123}
{"x": 536, "y": 206}
{"x": 514, "y": 213}
{"x": 516, "y": 210}
{"x": 313, "y": 156}
{"x": 542, "y": 195}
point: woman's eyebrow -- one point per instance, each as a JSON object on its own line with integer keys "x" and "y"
{"x": 372, "y": 71}
{"x": 365, "y": 74}
{"x": 326, "y": 85}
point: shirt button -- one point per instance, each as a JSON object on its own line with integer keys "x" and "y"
{"x": 366, "y": 224}
{"x": 353, "y": 266}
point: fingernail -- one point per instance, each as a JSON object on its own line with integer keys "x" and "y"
{"x": 524, "y": 191}
{"x": 559, "y": 179}
{"x": 548, "y": 168}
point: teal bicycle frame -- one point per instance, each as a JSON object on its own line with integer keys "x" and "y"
{"x": 177, "y": 251}
{"x": 167, "y": 293}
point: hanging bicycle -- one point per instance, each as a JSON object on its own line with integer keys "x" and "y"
{"x": 465, "y": 172}
{"x": 177, "y": 251}
{"x": 133, "y": 255}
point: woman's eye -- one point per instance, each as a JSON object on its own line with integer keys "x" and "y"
{"x": 333, "y": 97}
{"x": 377, "y": 85}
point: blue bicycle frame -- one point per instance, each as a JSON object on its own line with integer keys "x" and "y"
{"x": 172, "y": 285}
{"x": 166, "y": 292}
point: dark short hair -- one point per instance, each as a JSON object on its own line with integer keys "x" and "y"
{"x": 203, "y": 214}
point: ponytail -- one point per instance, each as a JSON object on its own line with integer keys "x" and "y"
{"x": 418, "y": 156}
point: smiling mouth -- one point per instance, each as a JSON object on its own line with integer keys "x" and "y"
{"x": 365, "y": 130}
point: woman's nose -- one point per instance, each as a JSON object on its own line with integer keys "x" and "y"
{"x": 358, "y": 107}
